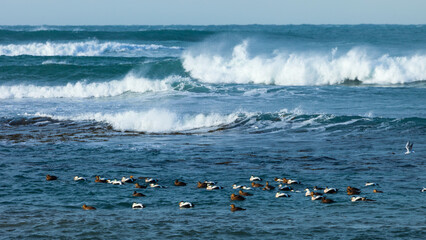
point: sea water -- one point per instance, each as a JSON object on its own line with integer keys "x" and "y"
{"x": 328, "y": 105}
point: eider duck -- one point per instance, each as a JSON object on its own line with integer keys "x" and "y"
{"x": 377, "y": 191}
{"x": 77, "y": 178}
{"x": 209, "y": 182}
{"x": 100, "y": 180}
{"x": 137, "y": 185}
{"x": 179, "y": 184}
{"x": 253, "y": 178}
{"x": 352, "y": 191}
{"x": 358, "y": 199}
{"x": 328, "y": 190}
{"x": 316, "y": 188}
{"x": 291, "y": 181}
{"x": 237, "y": 198}
{"x": 244, "y": 193}
{"x": 409, "y": 147}
{"x": 150, "y": 180}
{"x": 284, "y": 188}
{"x": 234, "y": 208}
{"x": 137, "y": 205}
{"x": 201, "y": 185}
{"x": 315, "y": 197}
{"x": 423, "y": 189}
{"x": 183, "y": 204}
{"x": 85, "y": 207}
{"x": 268, "y": 187}
{"x": 51, "y": 177}
{"x": 256, "y": 185}
{"x": 136, "y": 194}
{"x": 371, "y": 184}
{"x": 154, "y": 185}
{"x": 278, "y": 179}
{"x": 114, "y": 182}
{"x": 213, "y": 187}
{"x": 326, "y": 200}
{"x": 127, "y": 180}
{"x": 278, "y": 195}
{"x": 309, "y": 193}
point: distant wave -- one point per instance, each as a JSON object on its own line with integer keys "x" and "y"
{"x": 153, "y": 121}
{"x": 303, "y": 68}
{"x": 81, "y": 89}
{"x": 84, "y": 48}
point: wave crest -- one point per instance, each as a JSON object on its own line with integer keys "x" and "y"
{"x": 85, "y": 48}
{"x": 81, "y": 89}
{"x": 304, "y": 69}
{"x": 154, "y": 120}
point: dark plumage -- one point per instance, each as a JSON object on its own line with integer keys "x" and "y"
{"x": 51, "y": 177}
{"x": 234, "y": 208}
{"x": 237, "y": 198}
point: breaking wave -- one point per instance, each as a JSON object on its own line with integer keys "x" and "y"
{"x": 154, "y": 120}
{"x": 304, "y": 68}
{"x": 84, "y": 48}
{"x": 81, "y": 89}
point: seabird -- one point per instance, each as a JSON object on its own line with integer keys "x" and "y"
{"x": 309, "y": 193}
{"x": 253, "y": 178}
{"x": 137, "y": 185}
{"x": 318, "y": 188}
{"x": 213, "y": 187}
{"x": 234, "y": 208}
{"x": 154, "y": 185}
{"x": 235, "y": 186}
{"x": 237, "y": 198}
{"x": 114, "y": 182}
{"x": 85, "y": 207}
{"x": 51, "y": 177}
{"x": 423, "y": 189}
{"x": 330, "y": 190}
{"x": 377, "y": 191}
{"x": 278, "y": 179}
{"x": 409, "y": 147}
{"x": 201, "y": 185}
{"x": 178, "y": 183}
{"x": 127, "y": 180}
{"x": 358, "y": 199}
{"x": 256, "y": 185}
{"x": 137, "y": 205}
{"x": 209, "y": 182}
{"x": 268, "y": 187}
{"x": 150, "y": 180}
{"x": 326, "y": 200}
{"x": 244, "y": 193}
{"x": 315, "y": 197}
{"x": 77, "y": 178}
{"x": 183, "y": 204}
{"x": 284, "y": 188}
{"x": 352, "y": 191}
{"x": 136, "y": 194}
{"x": 290, "y": 181}
{"x": 371, "y": 184}
{"x": 100, "y": 180}
{"x": 279, "y": 194}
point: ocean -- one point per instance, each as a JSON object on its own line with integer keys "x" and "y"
{"x": 328, "y": 105}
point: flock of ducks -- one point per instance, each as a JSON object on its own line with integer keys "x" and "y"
{"x": 285, "y": 185}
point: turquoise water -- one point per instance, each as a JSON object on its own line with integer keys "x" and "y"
{"x": 328, "y": 105}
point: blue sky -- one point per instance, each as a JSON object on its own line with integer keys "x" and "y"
{"x": 206, "y": 12}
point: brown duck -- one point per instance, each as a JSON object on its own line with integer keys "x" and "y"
{"x": 137, "y": 185}
{"x": 352, "y": 191}
{"x": 377, "y": 191}
{"x": 237, "y": 198}
{"x": 326, "y": 200}
{"x": 85, "y": 207}
{"x": 99, "y": 180}
{"x": 201, "y": 185}
{"x": 178, "y": 183}
{"x": 51, "y": 177}
{"x": 256, "y": 185}
{"x": 136, "y": 194}
{"x": 244, "y": 193}
{"x": 268, "y": 187}
{"x": 234, "y": 208}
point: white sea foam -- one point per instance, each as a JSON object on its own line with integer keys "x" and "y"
{"x": 81, "y": 89}
{"x": 154, "y": 120}
{"x": 303, "y": 68}
{"x": 84, "y": 48}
